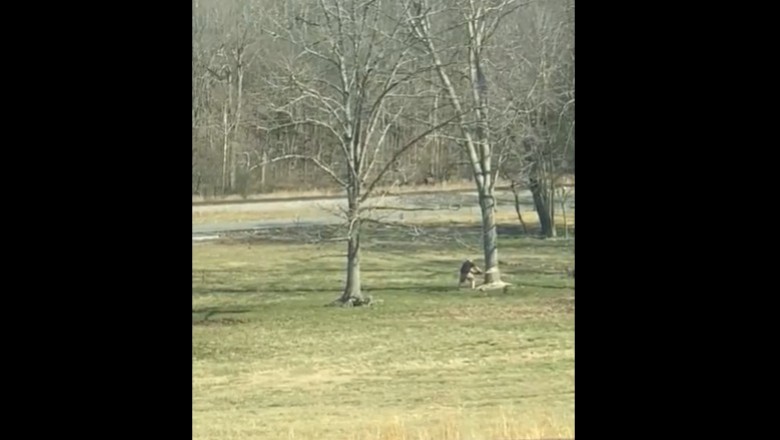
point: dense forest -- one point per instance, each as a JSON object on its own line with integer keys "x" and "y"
{"x": 282, "y": 89}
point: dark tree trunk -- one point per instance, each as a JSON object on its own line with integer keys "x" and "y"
{"x": 544, "y": 208}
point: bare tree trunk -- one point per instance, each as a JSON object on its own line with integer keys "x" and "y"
{"x": 232, "y": 166}
{"x": 517, "y": 207}
{"x": 563, "y": 195}
{"x": 489, "y": 237}
{"x": 263, "y": 169}
{"x": 542, "y": 185}
{"x": 565, "y": 223}
{"x": 353, "y": 286}
{"x": 542, "y": 205}
{"x": 228, "y": 129}
{"x": 237, "y": 120}
{"x": 196, "y": 190}
{"x": 225, "y": 148}
{"x": 550, "y": 193}
{"x": 431, "y": 144}
{"x": 353, "y": 295}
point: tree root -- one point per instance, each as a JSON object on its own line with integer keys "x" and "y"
{"x": 351, "y": 302}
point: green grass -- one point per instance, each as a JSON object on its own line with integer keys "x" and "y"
{"x": 428, "y": 361}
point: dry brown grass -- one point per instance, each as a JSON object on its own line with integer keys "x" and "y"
{"x": 500, "y": 424}
{"x": 442, "y": 186}
{"x": 504, "y": 216}
{"x": 291, "y": 214}
{"x": 430, "y": 362}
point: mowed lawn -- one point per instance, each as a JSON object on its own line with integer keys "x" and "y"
{"x": 427, "y": 361}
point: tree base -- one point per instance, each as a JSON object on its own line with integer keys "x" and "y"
{"x": 498, "y": 285}
{"x": 351, "y": 301}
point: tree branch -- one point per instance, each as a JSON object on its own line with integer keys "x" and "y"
{"x": 301, "y": 156}
{"x": 399, "y": 208}
{"x": 401, "y": 151}
{"x": 303, "y": 122}
{"x": 379, "y": 144}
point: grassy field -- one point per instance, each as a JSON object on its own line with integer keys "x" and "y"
{"x": 292, "y": 213}
{"x": 428, "y": 361}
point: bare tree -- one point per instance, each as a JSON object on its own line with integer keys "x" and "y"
{"x": 537, "y": 85}
{"x": 478, "y": 20}
{"x": 513, "y": 166}
{"x": 564, "y": 189}
{"x": 348, "y": 73}
{"x": 223, "y": 50}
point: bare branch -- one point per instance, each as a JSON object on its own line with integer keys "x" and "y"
{"x": 401, "y": 151}
{"x": 387, "y": 223}
{"x": 328, "y": 102}
{"x": 465, "y": 245}
{"x": 311, "y": 51}
{"x": 379, "y": 144}
{"x": 303, "y": 122}
{"x": 399, "y": 208}
{"x": 301, "y": 156}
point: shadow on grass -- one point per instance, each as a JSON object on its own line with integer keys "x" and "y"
{"x": 436, "y": 290}
{"x": 295, "y": 289}
{"x": 209, "y": 312}
{"x": 226, "y": 290}
{"x": 212, "y": 310}
{"x": 422, "y": 289}
{"x": 525, "y": 284}
{"x": 335, "y": 289}
{"x": 447, "y": 275}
